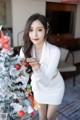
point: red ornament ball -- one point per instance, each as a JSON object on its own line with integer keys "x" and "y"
{"x": 26, "y": 64}
{"x": 32, "y": 113}
{"x": 18, "y": 66}
{"x": 20, "y": 113}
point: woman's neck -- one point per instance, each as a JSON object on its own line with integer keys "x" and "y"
{"x": 39, "y": 47}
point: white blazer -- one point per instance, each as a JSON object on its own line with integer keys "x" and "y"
{"x": 49, "y": 63}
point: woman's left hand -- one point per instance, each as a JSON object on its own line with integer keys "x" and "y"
{"x": 34, "y": 63}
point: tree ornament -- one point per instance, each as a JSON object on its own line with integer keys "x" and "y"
{"x": 4, "y": 41}
{"x": 18, "y": 66}
{"x": 32, "y": 113}
{"x": 26, "y": 64}
{"x": 20, "y": 113}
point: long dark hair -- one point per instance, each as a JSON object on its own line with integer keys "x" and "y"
{"x": 27, "y": 42}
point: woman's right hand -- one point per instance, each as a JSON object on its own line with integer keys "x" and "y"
{"x": 34, "y": 63}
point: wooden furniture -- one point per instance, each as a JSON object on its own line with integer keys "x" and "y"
{"x": 58, "y": 26}
{"x": 63, "y": 39}
{"x": 66, "y": 41}
{"x": 60, "y": 6}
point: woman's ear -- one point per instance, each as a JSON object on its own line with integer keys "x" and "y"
{"x": 47, "y": 30}
{"x": 46, "y": 33}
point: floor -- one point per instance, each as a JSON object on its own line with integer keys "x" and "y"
{"x": 70, "y": 107}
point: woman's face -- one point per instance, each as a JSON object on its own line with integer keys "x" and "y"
{"x": 37, "y": 32}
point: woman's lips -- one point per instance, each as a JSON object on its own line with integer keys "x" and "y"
{"x": 36, "y": 39}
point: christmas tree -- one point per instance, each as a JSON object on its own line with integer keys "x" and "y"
{"x": 16, "y": 100}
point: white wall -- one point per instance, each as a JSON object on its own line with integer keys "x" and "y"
{"x": 21, "y": 10}
{"x": 77, "y": 27}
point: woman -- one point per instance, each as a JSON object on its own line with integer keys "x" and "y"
{"x": 47, "y": 83}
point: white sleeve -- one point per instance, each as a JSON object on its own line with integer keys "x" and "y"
{"x": 44, "y": 77}
{"x": 21, "y": 53}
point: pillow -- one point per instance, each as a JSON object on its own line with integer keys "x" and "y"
{"x": 64, "y": 53}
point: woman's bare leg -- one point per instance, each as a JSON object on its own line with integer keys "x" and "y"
{"x": 51, "y": 112}
{"x": 42, "y": 112}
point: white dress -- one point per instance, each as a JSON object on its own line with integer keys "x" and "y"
{"x": 47, "y": 83}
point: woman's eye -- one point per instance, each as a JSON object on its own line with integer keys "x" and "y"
{"x": 39, "y": 29}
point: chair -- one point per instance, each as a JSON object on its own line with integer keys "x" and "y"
{"x": 66, "y": 66}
